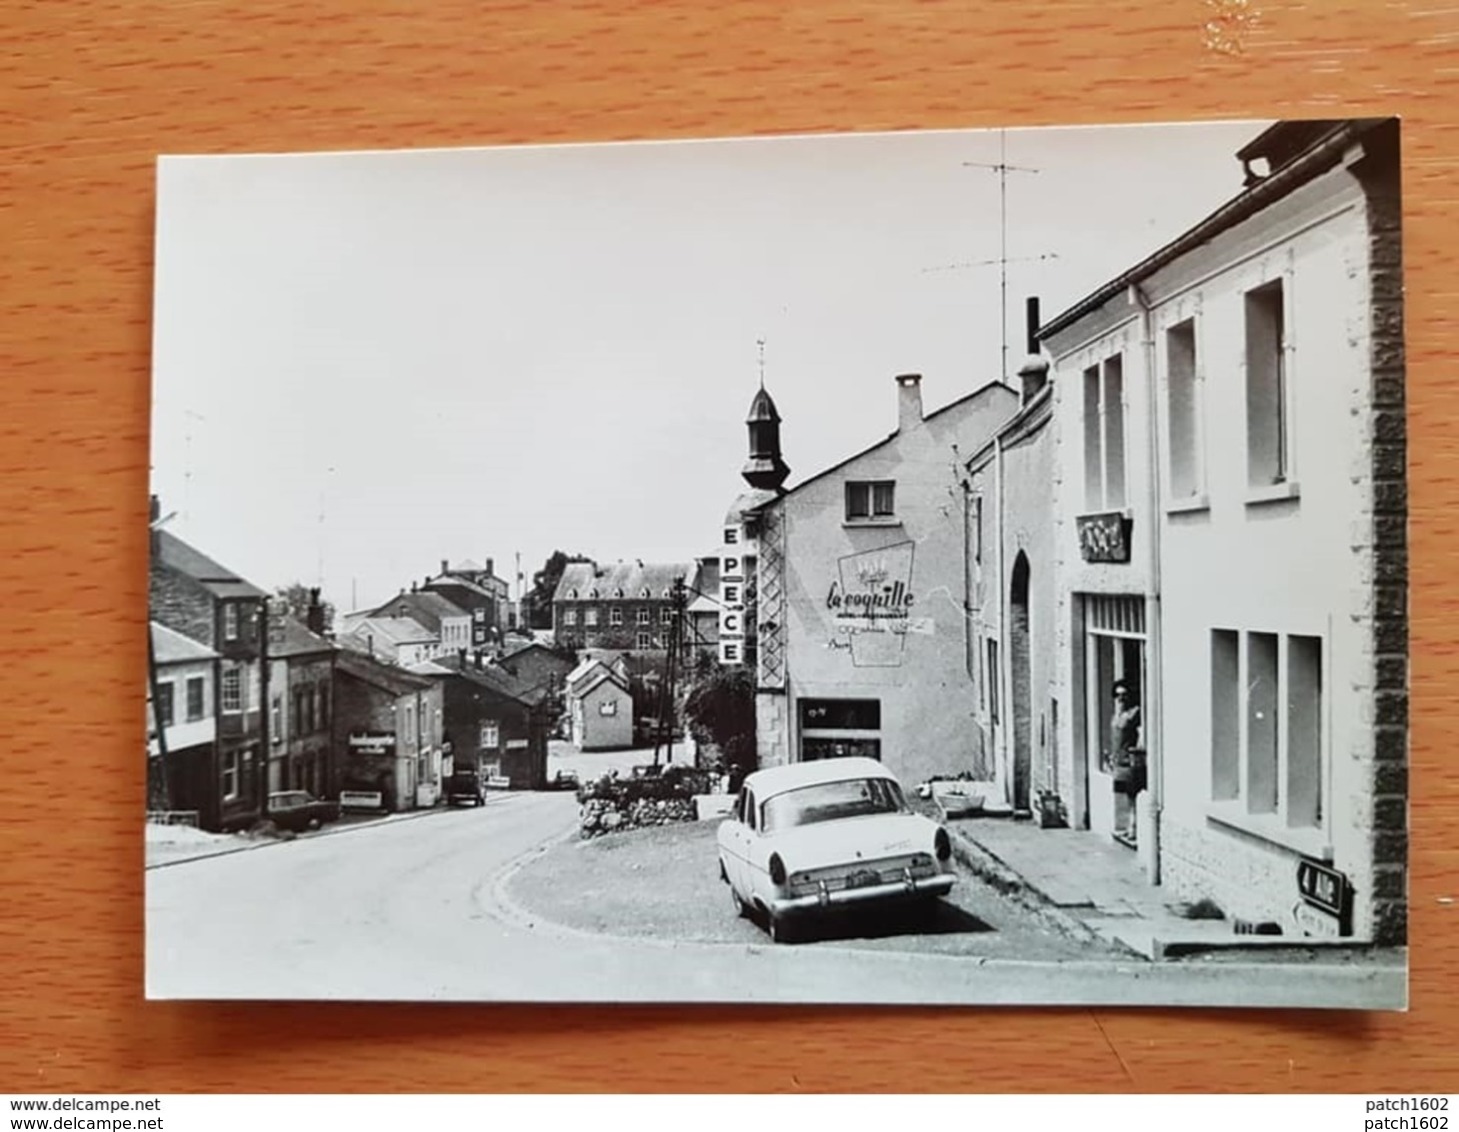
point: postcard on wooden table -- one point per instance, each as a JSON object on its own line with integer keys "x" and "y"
{"x": 951, "y": 567}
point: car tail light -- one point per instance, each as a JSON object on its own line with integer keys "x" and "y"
{"x": 777, "y": 869}
{"x": 944, "y": 845}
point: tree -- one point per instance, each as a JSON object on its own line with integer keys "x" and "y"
{"x": 544, "y": 585}
{"x": 721, "y": 707}
{"x": 296, "y": 598}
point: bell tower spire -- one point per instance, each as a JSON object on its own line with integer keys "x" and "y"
{"x": 765, "y": 469}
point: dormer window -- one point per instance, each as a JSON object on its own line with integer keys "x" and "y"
{"x": 593, "y": 594}
{"x": 618, "y": 595}
{"x": 572, "y": 595}
{"x": 644, "y": 593}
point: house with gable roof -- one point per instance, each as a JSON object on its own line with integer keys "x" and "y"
{"x": 600, "y": 705}
{"x": 182, "y": 701}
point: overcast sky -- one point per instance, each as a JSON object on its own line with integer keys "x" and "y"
{"x": 365, "y": 363}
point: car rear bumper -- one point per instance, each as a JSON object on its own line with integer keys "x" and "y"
{"x": 908, "y": 888}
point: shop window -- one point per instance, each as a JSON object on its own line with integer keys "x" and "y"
{"x": 1267, "y": 735}
{"x": 1267, "y": 427}
{"x": 870, "y": 499}
{"x": 1225, "y": 715}
{"x": 1182, "y": 395}
{"x": 1304, "y": 731}
{"x": 1261, "y": 723}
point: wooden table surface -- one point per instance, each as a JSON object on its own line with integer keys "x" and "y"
{"x": 93, "y": 90}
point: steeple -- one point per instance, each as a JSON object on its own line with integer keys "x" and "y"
{"x": 764, "y": 469}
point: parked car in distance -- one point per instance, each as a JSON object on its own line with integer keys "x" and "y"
{"x": 565, "y": 780}
{"x": 808, "y": 838}
{"x": 299, "y": 810}
{"x": 465, "y": 786}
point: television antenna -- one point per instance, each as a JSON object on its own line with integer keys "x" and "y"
{"x": 1002, "y": 168}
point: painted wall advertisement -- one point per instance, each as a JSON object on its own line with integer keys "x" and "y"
{"x": 873, "y": 606}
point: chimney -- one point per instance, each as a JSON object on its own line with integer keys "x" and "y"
{"x": 909, "y": 401}
{"x": 154, "y": 512}
{"x": 314, "y": 615}
{"x": 1033, "y": 375}
{"x": 489, "y": 571}
{"x": 445, "y": 567}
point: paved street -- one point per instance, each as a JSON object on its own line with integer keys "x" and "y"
{"x": 436, "y": 908}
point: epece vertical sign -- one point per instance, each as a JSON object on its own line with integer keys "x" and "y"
{"x": 1324, "y": 888}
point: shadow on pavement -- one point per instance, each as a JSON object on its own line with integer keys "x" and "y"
{"x": 941, "y": 918}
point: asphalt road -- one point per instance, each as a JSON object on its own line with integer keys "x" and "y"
{"x": 425, "y": 909}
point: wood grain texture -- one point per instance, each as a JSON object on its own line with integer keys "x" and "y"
{"x": 93, "y": 90}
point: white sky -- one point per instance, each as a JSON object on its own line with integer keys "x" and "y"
{"x": 365, "y": 363}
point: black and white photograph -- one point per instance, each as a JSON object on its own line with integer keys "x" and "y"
{"x": 951, "y": 567}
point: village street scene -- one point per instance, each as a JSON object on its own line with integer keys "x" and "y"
{"x": 1086, "y": 684}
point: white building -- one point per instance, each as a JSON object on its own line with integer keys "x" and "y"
{"x": 1230, "y": 510}
{"x": 860, "y": 612}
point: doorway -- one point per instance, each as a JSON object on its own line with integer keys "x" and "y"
{"x": 1021, "y": 677}
{"x": 1115, "y": 754}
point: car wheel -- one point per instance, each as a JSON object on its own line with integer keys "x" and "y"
{"x": 315, "y": 823}
{"x": 741, "y": 911}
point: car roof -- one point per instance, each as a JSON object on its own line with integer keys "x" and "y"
{"x": 778, "y": 779}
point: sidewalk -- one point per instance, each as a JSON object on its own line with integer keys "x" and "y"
{"x": 1101, "y": 888}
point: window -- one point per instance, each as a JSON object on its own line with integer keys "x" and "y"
{"x": 196, "y": 698}
{"x": 490, "y": 735}
{"x": 645, "y": 640}
{"x": 978, "y": 529}
{"x": 643, "y": 617}
{"x": 1268, "y": 457}
{"x": 324, "y": 707}
{"x": 1104, "y": 435}
{"x": 230, "y": 775}
{"x": 615, "y": 616}
{"x": 666, "y": 617}
{"x": 569, "y": 616}
{"x": 230, "y": 622}
{"x": 1182, "y": 394}
{"x": 164, "y": 703}
{"x": 1266, "y": 727}
{"x": 870, "y": 499}
{"x": 590, "y": 616}
{"x": 608, "y": 707}
{"x": 232, "y": 689}
{"x": 841, "y": 715}
{"x": 276, "y": 719}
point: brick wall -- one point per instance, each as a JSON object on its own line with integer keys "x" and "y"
{"x": 1378, "y": 173}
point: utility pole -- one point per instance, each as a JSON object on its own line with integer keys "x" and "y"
{"x": 671, "y": 663}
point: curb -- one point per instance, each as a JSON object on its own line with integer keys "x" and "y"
{"x": 268, "y": 842}
{"x": 988, "y": 867}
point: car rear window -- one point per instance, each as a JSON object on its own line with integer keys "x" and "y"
{"x": 829, "y": 801}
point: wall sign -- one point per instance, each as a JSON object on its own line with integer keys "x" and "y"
{"x": 1104, "y": 537}
{"x": 871, "y": 604}
{"x": 371, "y": 742}
{"x": 1327, "y": 890}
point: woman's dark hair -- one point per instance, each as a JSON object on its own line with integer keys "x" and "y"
{"x": 1120, "y": 686}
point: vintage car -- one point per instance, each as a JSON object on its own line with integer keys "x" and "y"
{"x": 811, "y": 837}
{"x": 465, "y": 786}
{"x": 300, "y": 810}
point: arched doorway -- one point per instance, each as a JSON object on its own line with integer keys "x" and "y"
{"x": 1020, "y": 665}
